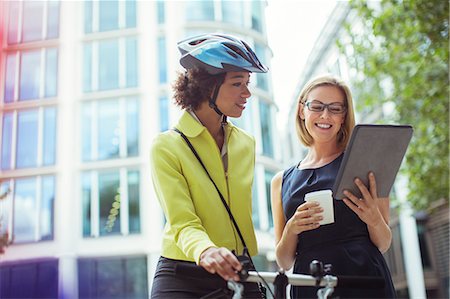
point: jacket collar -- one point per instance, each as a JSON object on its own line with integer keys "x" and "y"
{"x": 191, "y": 127}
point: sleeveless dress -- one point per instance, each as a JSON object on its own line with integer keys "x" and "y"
{"x": 345, "y": 244}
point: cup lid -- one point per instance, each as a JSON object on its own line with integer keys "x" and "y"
{"x": 318, "y": 193}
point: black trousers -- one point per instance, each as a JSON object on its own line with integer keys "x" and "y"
{"x": 168, "y": 284}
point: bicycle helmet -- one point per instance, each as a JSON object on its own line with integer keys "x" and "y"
{"x": 219, "y": 53}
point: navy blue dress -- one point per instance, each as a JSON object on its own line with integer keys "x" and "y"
{"x": 345, "y": 244}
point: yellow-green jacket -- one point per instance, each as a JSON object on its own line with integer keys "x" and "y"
{"x": 196, "y": 217}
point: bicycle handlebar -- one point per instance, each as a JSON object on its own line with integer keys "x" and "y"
{"x": 364, "y": 282}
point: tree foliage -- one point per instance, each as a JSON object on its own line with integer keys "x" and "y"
{"x": 401, "y": 54}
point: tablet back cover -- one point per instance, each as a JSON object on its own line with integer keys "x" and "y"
{"x": 377, "y": 148}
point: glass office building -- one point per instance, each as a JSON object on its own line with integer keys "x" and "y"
{"x": 84, "y": 87}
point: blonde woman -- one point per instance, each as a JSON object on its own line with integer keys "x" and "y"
{"x": 354, "y": 243}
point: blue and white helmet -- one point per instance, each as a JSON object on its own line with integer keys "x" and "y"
{"x": 219, "y": 53}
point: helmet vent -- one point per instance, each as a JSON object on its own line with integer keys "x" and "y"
{"x": 196, "y": 42}
{"x": 235, "y": 51}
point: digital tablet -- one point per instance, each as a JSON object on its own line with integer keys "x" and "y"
{"x": 376, "y": 148}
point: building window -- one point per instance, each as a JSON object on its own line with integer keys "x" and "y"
{"x": 261, "y": 78}
{"x": 233, "y": 12}
{"x": 101, "y": 16}
{"x": 28, "y": 18}
{"x": 28, "y": 138}
{"x": 161, "y": 11}
{"x": 29, "y": 207}
{"x": 105, "y": 191}
{"x": 163, "y": 113}
{"x": 202, "y": 10}
{"x": 37, "y": 75}
{"x": 266, "y": 129}
{"x": 29, "y": 279}
{"x": 117, "y": 277}
{"x": 255, "y": 205}
{"x": 110, "y": 129}
{"x": 115, "y": 67}
{"x": 424, "y": 252}
{"x": 162, "y": 60}
{"x": 268, "y": 175}
{"x": 257, "y": 15}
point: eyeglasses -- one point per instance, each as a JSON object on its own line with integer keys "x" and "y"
{"x": 317, "y": 106}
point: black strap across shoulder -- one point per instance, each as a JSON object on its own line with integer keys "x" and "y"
{"x": 218, "y": 191}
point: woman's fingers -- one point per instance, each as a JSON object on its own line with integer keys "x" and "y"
{"x": 373, "y": 185}
{"x": 221, "y": 261}
{"x": 364, "y": 191}
{"x": 357, "y": 201}
{"x": 307, "y": 217}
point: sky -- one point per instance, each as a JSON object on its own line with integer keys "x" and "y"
{"x": 292, "y": 28}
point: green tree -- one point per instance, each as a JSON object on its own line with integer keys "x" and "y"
{"x": 401, "y": 55}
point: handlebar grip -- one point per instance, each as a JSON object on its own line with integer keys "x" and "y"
{"x": 195, "y": 272}
{"x": 361, "y": 282}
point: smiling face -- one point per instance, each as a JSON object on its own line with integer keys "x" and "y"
{"x": 323, "y": 126}
{"x": 233, "y": 93}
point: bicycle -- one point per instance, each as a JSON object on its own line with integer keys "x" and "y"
{"x": 319, "y": 277}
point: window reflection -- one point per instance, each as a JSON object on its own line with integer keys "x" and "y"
{"x": 7, "y": 134}
{"x": 25, "y": 207}
{"x": 109, "y": 131}
{"x": 162, "y": 60}
{"x": 10, "y": 75}
{"x": 32, "y": 20}
{"x": 33, "y": 75}
{"x": 134, "y": 222}
{"x": 109, "y": 188}
{"x": 49, "y": 139}
{"x": 108, "y": 64}
{"x": 163, "y": 113}
{"x": 255, "y": 205}
{"x": 161, "y": 11}
{"x": 33, "y": 15}
{"x": 86, "y": 202}
{"x": 262, "y": 80}
{"x": 5, "y": 206}
{"x": 266, "y": 129}
{"x": 131, "y": 62}
{"x": 233, "y": 12}
{"x": 13, "y": 22}
{"x": 28, "y": 142}
{"x": 132, "y": 129}
{"x": 51, "y": 72}
{"x": 27, "y": 139}
{"x": 202, "y": 10}
{"x": 53, "y": 19}
{"x": 112, "y": 57}
{"x": 130, "y": 7}
{"x": 30, "y": 68}
{"x": 109, "y": 14}
{"x": 88, "y": 66}
{"x": 268, "y": 175}
{"x": 257, "y": 13}
{"x": 105, "y": 191}
{"x": 46, "y": 210}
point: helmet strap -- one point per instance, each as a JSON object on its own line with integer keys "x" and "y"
{"x": 212, "y": 101}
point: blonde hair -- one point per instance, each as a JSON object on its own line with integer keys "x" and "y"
{"x": 349, "y": 122}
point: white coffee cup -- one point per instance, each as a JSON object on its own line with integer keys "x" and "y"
{"x": 325, "y": 199}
